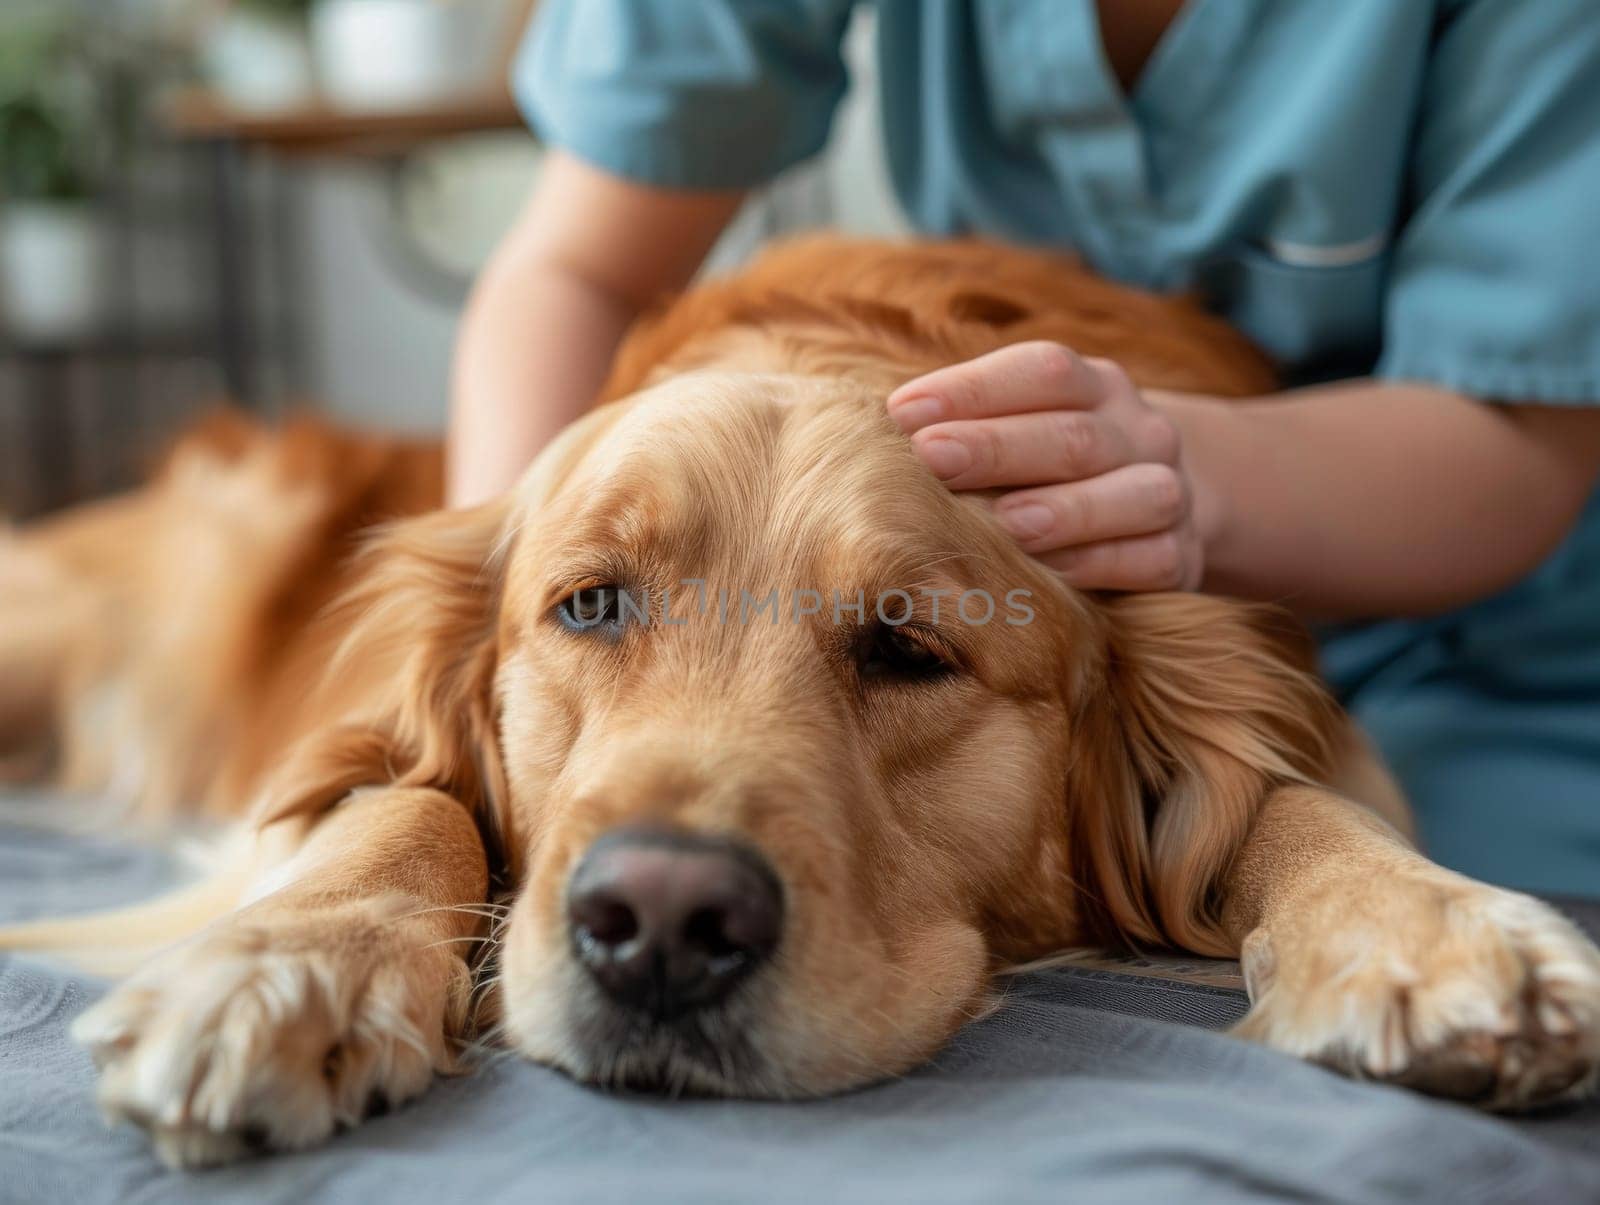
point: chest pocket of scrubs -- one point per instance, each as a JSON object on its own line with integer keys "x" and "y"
{"x": 1316, "y": 322}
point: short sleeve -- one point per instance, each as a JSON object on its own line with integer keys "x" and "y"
{"x": 702, "y": 94}
{"x": 1494, "y": 288}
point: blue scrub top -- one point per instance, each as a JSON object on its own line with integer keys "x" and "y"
{"x": 1406, "y": 189}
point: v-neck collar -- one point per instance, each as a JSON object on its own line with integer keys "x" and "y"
{"x": 1193, "y": 55}
{"x": 1107, "y": 163}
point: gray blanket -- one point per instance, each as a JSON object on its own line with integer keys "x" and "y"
{"x": 1087, "y": 1085}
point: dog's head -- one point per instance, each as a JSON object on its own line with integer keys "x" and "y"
{"x": 781, "y": 724}
{"x": 789, "y": 748}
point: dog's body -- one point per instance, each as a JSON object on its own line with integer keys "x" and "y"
{"x": 910, "y": 806}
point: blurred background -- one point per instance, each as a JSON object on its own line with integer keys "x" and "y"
{"x": 277, "y": 203}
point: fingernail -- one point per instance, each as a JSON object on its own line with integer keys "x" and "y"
{"x": 915, "y": 413}
{"x": 1025, "y": 521}
{"x": 946, "y": 457}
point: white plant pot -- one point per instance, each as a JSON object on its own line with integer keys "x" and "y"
{"x": 258, "y": 63}
{"x": 396, "y": 54}
{"x": 53, "y": 259}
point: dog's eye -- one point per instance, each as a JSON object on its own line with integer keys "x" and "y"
{"x": 887, "y": 653}
{"x": 592, "y": 609}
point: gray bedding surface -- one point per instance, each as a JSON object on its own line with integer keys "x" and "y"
{"x": 1086, "y": 1085}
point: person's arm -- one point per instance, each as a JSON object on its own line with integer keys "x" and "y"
{"x": 1358, "y": 499}
{"x": 1379, "y": 497}
{"x": 588, "y": 253}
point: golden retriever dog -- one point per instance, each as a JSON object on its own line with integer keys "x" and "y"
{"x": 669, "y": 770}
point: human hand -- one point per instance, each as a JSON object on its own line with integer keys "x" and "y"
{"x": 1108, "y": 504}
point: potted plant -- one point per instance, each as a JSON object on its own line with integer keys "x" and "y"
{"x": 256, "y": 54}
{"x": 52, "y": 142}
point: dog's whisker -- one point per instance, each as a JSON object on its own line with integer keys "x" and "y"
{"x": 472, "y": 937}
{"x": 482, "y": 990}
{"x": 479, "y": 910}
{"x": 488, "y": 1036}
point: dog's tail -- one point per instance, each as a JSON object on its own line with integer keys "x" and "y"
{"x": 115, "y": 942}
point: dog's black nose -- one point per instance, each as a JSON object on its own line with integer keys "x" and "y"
{"x": 668, "y": 921}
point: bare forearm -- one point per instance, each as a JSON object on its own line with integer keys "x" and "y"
{"x": 589, "y": 252}
{"x": 534, "y": 347}
{"x": 1374, "y": 498}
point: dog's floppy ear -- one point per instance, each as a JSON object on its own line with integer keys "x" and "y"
{"x": 1205, "y": 705}
{"x": 419, "y": 633}
{"x": 419, "y": 630}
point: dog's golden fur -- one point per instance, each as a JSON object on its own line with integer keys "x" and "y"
{"x": 407, "y": 721}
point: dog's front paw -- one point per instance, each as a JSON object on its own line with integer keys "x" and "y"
{"x": 267, "y": 1035}
{"x": 1436, "y": 982}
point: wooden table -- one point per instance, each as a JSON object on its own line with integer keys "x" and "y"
{"x": 229, "y": 136}
{"x": 318, "y": 128}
